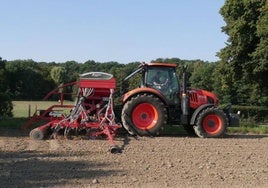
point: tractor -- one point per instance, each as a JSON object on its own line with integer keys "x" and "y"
{"x": 162, "y": 99}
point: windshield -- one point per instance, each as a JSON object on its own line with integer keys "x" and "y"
{"x": 165, "y": 80}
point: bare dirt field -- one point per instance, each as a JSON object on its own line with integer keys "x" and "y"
{"x": 167, "y": 161}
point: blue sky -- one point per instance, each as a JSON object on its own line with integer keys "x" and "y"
{"x": 110, "y": 30}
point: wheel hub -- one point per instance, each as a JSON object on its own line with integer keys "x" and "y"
{"x": 211, "y": 123}
{"x": 144, "y": 116}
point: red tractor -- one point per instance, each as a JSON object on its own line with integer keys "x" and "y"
{"x": 160, "y": 100}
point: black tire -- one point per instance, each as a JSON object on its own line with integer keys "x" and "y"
{"x": 37, "y": 134}
{"x": 211, "y": 123}
{"x": 144, "y": 115}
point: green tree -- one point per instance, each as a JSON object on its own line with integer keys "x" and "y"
{"x": 58, "y": 74}
{"x": 244, "y": 58}
{"x": 6, "y": 106}
{"x": 5, "y": 100}
{"x": 201, "y": 75}
{"x": 2, "y": 75}
{"x": 223, "y": 83}
{"x": 27, "y": 80}
{"x": 72, "y": 71}
{"x": 260, "y": 57}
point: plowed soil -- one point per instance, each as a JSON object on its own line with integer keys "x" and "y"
{"x": 165, "y": 161}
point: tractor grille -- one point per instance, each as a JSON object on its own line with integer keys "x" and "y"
{"x": 193, "y": 97}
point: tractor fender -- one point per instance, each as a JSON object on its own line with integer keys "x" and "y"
{"x": 198, "y": 110}
{"x": 137, "y": 91}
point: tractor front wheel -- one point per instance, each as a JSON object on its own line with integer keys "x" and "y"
{"x": 144, "y": 115}
{"x": 211, "y": 123}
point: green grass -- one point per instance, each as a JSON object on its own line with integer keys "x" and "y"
{"x": 249, "y": 130}
{"x": 22, "y": 109}
{"x": 249, "y": 127}
{"x": 174, "y": 130}
{"x": 256, "y": 129}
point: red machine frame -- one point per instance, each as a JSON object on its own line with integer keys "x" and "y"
{"x": 92, "y": 113}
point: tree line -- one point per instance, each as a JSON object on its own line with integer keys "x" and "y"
{"x": 30, "y": 80}
{"x": 239, "y": 77}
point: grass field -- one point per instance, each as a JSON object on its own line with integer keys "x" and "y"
{"x": 24, "y": 109}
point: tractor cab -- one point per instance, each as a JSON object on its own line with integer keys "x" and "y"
{"x": 158, "y": 78}
{"x": 163, "y": 78}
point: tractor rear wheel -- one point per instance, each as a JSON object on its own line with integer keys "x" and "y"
{"x": 144, "y": 115}
{"x": 211, "y": 123}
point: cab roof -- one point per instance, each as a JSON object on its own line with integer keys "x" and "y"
{"x": 159, "y": 64}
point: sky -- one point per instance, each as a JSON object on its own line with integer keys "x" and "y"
{"x": 110, "y": 30}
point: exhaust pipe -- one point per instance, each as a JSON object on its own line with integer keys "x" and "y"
{"x": 185, "y": 103}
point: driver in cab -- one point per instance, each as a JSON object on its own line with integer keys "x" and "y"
{"x": 159, "y": 79}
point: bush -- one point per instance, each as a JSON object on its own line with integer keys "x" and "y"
{"x": 6, "y": 106}
{"x": 253, "y": 114}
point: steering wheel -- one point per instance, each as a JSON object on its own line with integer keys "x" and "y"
{"x": 163, "y": 86}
